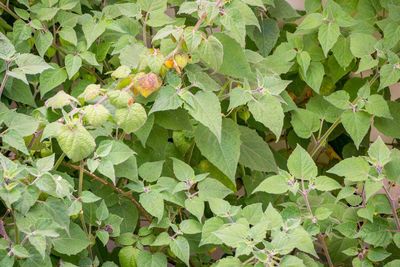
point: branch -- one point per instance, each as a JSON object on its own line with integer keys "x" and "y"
{"x": 144, "y": 32}
{"x": 5, "y": 77}
{"x": 393, "y": 206}
{"x": 9, "y": 11}
{"x": 113, "y": 187}
{"x": 325, "y": 249}
{"x": 3, "y": 232}
{"x": 195, "y": 29}
{"x": 321, "y": 141}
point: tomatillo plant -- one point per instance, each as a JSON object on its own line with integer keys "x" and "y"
{"x": 199, "y": 133}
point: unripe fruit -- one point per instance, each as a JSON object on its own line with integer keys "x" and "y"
{"x": 146, "y": 84}
{"x": 181, "y": 59}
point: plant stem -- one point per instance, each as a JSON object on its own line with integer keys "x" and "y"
{"x": 94, "y": 74}
{"x": 321, "y": 141}
{"x": 195, "y": 29}
{"x": 3, "y": 83}
{"x": 325, "y": 249}
{"x": 144, "y": 31}
{"x": 81, "y": 168}
{"x": 393, "y": 206}
{"x": 60, "y": 159}
{"x": 9, "y": 11}
{"x": 113, "y": 187}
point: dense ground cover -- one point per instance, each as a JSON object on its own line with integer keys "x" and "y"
{"x": 199, "y": 133}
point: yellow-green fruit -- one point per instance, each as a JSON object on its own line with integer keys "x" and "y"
{"x": 146, "y": 84}
{"x": 181, "y": 59}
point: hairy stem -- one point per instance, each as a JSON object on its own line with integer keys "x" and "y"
{"x": 195, "y": 29}
{"x": 144, "y": 31}
{"x": 3, "y": 83}
{"x": 9, "y": 11}
{"x": 58, "y": 162}
{"x": 81, "y": 168}
{"x": 393, "y": 206}
{"x": 325, "y": 249}
{"x": 113, "y": 187}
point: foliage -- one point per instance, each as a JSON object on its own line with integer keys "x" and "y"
{"x": 202, "y": 133}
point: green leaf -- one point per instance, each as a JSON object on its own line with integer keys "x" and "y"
{"x": 7, "y": 48}
{"x": 379, "y": 152}
{"x": 39, "y": 242}
{"x": 75, "y": 141}
{"x": 233, "y": 234}
{"x": 31, "y": 64}
{"x": 362, "y": 44}
{"x": 225, "y": 154}
{"x": 128, "y": 256}
{"x": 72, "y": 63}
{"x": 152, "y": 5}
{"x": 342, "y": 53}
{"x": 43, "y": 41}
{"x": 377, "y": 254}
{"x": 377, "y": 105}
{"x": 89, "y": 197}
{"x": 310, "y": 23}
{"x": 102, "y": 211}
{"x": 145, "y": 258}
{"x": 339, "y": 99}
{"x": 276, "y": 184}
{"x": 238, "y": 96}
{"x": 167, "y": 99}
{"x": 268, "y": 110}
{"x": 190, "y": 226}
{"x": 72, "y": 243}
{"x": 315, "y": 75}
{"x": 151, "y": 171}
{"x": 366, "y": 62}
{"x": 49, "y": 79}
{"x": 14, "y": 139}
{"x": 212, "y": 52}
{"x": 376, "y": 233}
{"x": 291, "y": 261}
{"x": 301, "y": 165}
{"x": 153, "y": 202}
{"x": 272, "y": 218}
{"x": 353, "y": 169}
{"x": 234, "y": 22}
{"x": 255, "y": 152}
{"x": 96, "y": 115}
{"x": 303, "y": 240}
{"x": 182, "y": 171}
{"x": 180, "y": 247}
{"x": 92, "y": 30}
{"x": 103, "y": 236}
{"x": 324, "y": 183}
{"x": 304, "y": 122}
{"x": 205, "y": 108}
{"x": 210, "y": 226}
{"x": 195, "y": 206}
{"x": 234, "y": 60}
{"x": 303, "y": 59}
{"x": 131, "y": 118}
{"x": 327, "y": 36}
{"x": 356, "y": 124}
{"x": 68, "y": 34}
{"x": 265, "y": 39}
{"x": 18, "y": 90}
{"x": 389, "y": 74}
